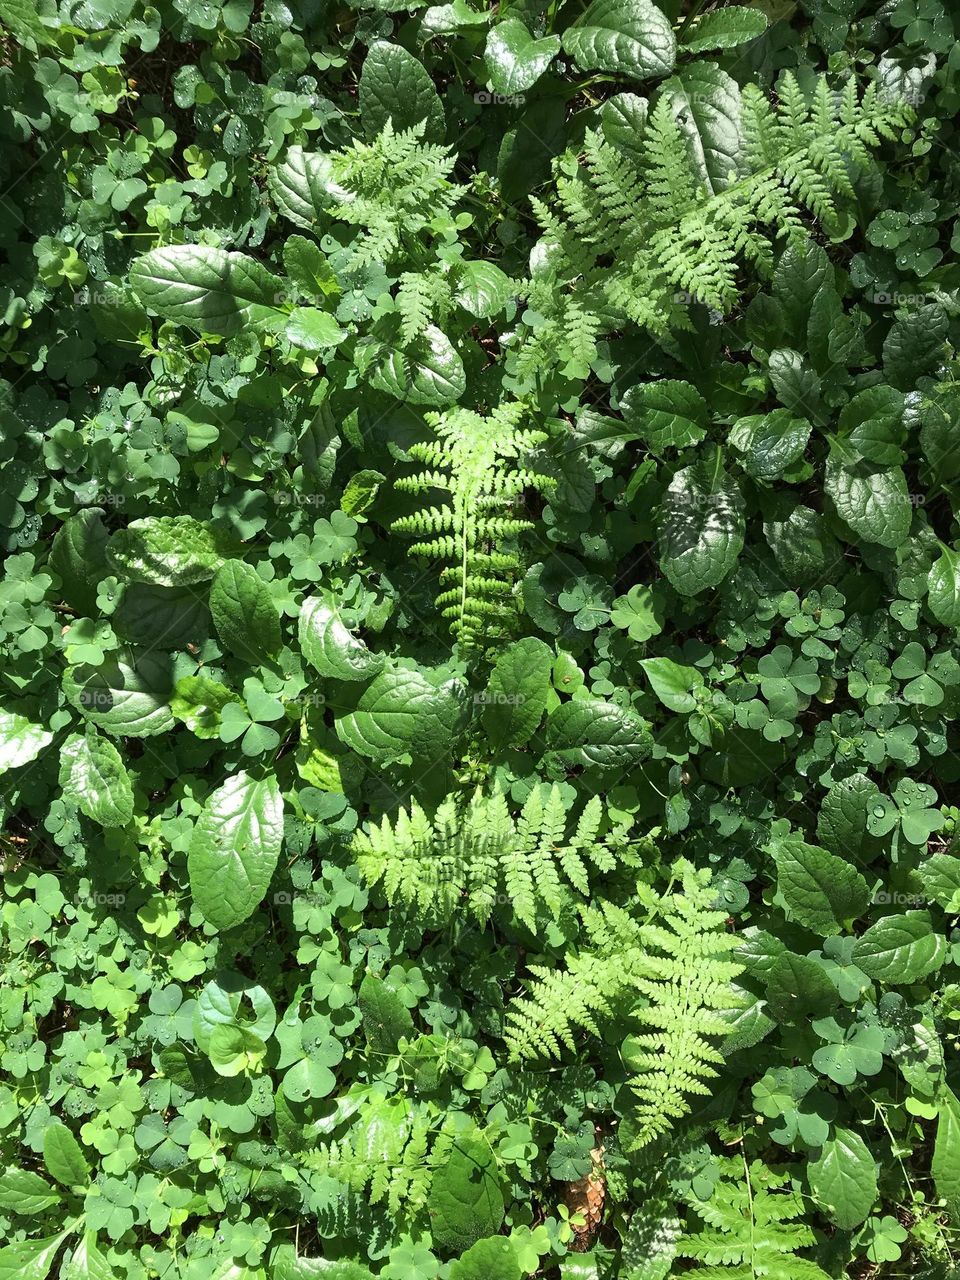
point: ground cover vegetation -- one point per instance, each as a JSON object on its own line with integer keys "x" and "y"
{"x": 479, "y": 621}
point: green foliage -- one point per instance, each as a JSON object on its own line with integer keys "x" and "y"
{"x": 480, "y": 513}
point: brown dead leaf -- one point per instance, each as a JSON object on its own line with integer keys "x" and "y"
{"x": 585, "y": 1198}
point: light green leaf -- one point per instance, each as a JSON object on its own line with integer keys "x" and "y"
{"x": 243, "y": 611}
{"x": 630, "y": 37}
{"x": 94, "y": 777}
{"x": 127, "y": 696}
{"x": 304, "y": 187}
{"x": 207, "y": 289}
{"x": 705, "y": 102}
{"x": 20, "y": 740}
{"x": 166, "y": 551}
{"x": 843, "y": 1179}
{"x": 63, "y": 1157}
{"x": 724, "y": 28}
{"x": 592, "y": 732}
{"x": 31, "y": 1260}
{"x": 818, "y": 890}
{"x": 394, "y": 85}
{"x": 26, "y": 1193}
{"x": 494, "y": 1258}
{"x": 235, "y": 849}
{"x": 900, "y": 949}
{"x": 945, "y": 1165}
{"x": 673, "y": 684}
{"x": 701, "y": 527}
{"x": 21, "y": 17}
{"x": 482, "y": 288}
{"x": 78, "y": 557}
{"x": 516, "y": 694}
{"x": 943, "y": 588}
{"x": 87, "y": 1262}
{"x": 515, "y": 60}
{"x": 429, "y": 371}
{"x": 329, "y": 647}
{"x": 466, "y": 1202}
{"x": 385, "y": 1017}
{"x": 313, "y": 330}
{"x": 404, "y": 712}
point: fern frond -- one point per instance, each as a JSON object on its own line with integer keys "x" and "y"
{"x": 671, "y": 970}
{"x": 482, "y": 465}
{"x": 473, "y": 853}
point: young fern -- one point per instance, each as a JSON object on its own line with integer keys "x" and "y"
{"x": 482, "y": 465}
{"x": 669, "y": 973}
{"x": 637, "y": 240}
{"x": 472, "y": 853}
{"x": 389, "y": 1155}
{"x": 751, "y": 1228}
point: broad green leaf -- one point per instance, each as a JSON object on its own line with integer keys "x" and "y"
{"x": 31, "y": 1260}
{"x": 853, "y": 812}
{"x": 941, "y": 881}
{"x": 94, "y": 777}
{"x": 235, "y": 1050}
{"x": 331, "y": 648}
{"x": 515, "y": 59}
{"x": 26, "y": 1193}
{"x": 166, "y": 551}
{"x": 235, "y": 849}
{"x": 770, "y": 442}
{"x": 818, "y": 890}
{"x": 843, "y": 1179}
{"x": 900, "y": 950}
{"x": 404, "y": 712}
{"x": 87, "y": 1262}
{"x": 705, "y": 103}
{"x": 874, "y": 501}
{"x": 209, "y": 290}
{"x": 287, "y": 1265}
{"x": 798, "y": 988}
{"x": 428, "y": 372}
{"x": 724, "y": 28}
{"x": 394, "y": 85}
{"x": 592, "y": 732}
{"x": 304, "y": 187}
{"x": 945, "y": 1165}
{"x": 516, "y": 694}
{"x": 701, "y": 527}
{"x": 126, "y": 696}
{"x": 21, "y": 17}
{"x": 466, "y": 1203}
{"x": 385, "y": 1017}
{"x": 78, "y": 557}
{"x": 243, "y": 611}
{"x": 943, "y": 587}
{"x": 492, "y": 1259}
{"x": 313, "y": 330}
{"x": 63, "y": 1157}
{"x": 308, "y": 268}
{"x": 668, "y": 414}
{"x": 20, "y": 740}
{"x": 873, "y": 423}
{"x": 623, "y": 119}
{"x": 482, "y": 288}
{"x": 675, "y": 685}
{"x": 629, "y": 37}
